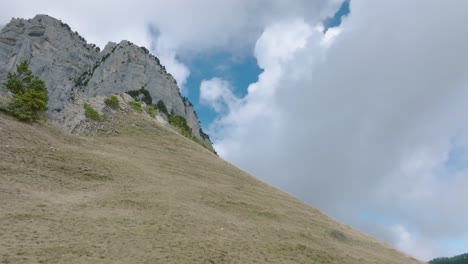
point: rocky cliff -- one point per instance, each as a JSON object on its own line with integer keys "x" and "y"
{"x": 73, "y": 68}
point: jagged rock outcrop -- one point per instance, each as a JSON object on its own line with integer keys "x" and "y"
{"x": 72, "y": 68}
{"x": 56, "y": 54}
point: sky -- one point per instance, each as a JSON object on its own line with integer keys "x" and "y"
{"x": 356, "y": 108}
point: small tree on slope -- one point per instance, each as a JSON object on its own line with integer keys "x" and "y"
{"x": 29, "y": 94}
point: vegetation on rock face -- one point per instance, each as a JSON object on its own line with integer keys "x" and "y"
{"x": 181, "y": 123}
{"x": 204, "y": 135}
{"x": 91, "y": 113}
{"x": 460, "y": 259}
{"x": 29, "y": 94}
{"x": 161, "y": 106}
{"x": 136, "y": 106}
{"x": 205, "y": 144}
{"x": 150, "y": 110}
{"x": 112, "y": 102}
{"x": 178, "y": 122}
{"x": 141, "y": 95}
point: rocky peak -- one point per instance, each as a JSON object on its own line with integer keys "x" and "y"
{"x": 54, "y": 51}
{"x": 72, "y": 67}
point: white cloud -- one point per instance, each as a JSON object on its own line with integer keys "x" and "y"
{"x": 280, "y": 41}
{"x": 278, "y": 44}
{"x": 217, "y": 94}
{"x": 407, "y": 242}
{"x": 365, "y": 122}
{"x": 329, "y": 36}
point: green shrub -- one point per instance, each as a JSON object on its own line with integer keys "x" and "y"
{"x": 112, "y": 102}
{"x": 136, "y": 106}
{"x": 29, "y": 94}
{"x": 91, "y": 113}
{"x": 181, "y": 123}
{"x": 150, "y": 110}
{"x": 161, "y": 106}
{"x": 141, "y": 95}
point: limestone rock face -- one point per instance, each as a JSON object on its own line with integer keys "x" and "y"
{"x": 126, "y": 67}
{"x": 72, "y": 68}
{"x": 55, "y": 53}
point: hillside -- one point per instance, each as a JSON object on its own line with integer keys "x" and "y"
{"x": 145, "y": 194}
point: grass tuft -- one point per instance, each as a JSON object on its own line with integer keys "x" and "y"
{"x": 91, "y": 113}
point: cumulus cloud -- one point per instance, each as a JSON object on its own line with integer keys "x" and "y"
{"x": 406, "y": 241}
{"x": 276, "y": 45}
{"x": 363, "y": 119}
{"x": 217, "y": 93}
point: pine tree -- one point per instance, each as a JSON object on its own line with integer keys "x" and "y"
{"x": 29, "y": 94}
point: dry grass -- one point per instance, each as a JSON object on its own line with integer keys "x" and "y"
{"x": 149, "y": 195}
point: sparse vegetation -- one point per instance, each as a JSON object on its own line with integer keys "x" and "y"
{"x": 105, "y": 57}
{"x": 136, "y": 106}
{"x": 145, "y": 50}
{"x": 30, "y": 98}
{"x": 204, "y": 135}
{"x": 181, "y": 124}
{"x": 161, "y": 106}
{"x": 141, "y": 95}
{"x": 112, "y": 102}
{"x": 150, "y": 110}
{"x": 178, "y": 122}
{"x": 91, "y": 113}
{"x": 65, "y": 25}
{"x": 85, "y": 77}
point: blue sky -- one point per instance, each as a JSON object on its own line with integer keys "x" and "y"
{"x": 335, "y": 21}
{"x": 239, "y": 71}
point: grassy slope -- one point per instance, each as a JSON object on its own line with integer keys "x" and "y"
{"x": 149, "y": 195}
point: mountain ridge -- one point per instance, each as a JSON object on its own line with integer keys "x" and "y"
{"x": 72, "y": 68}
